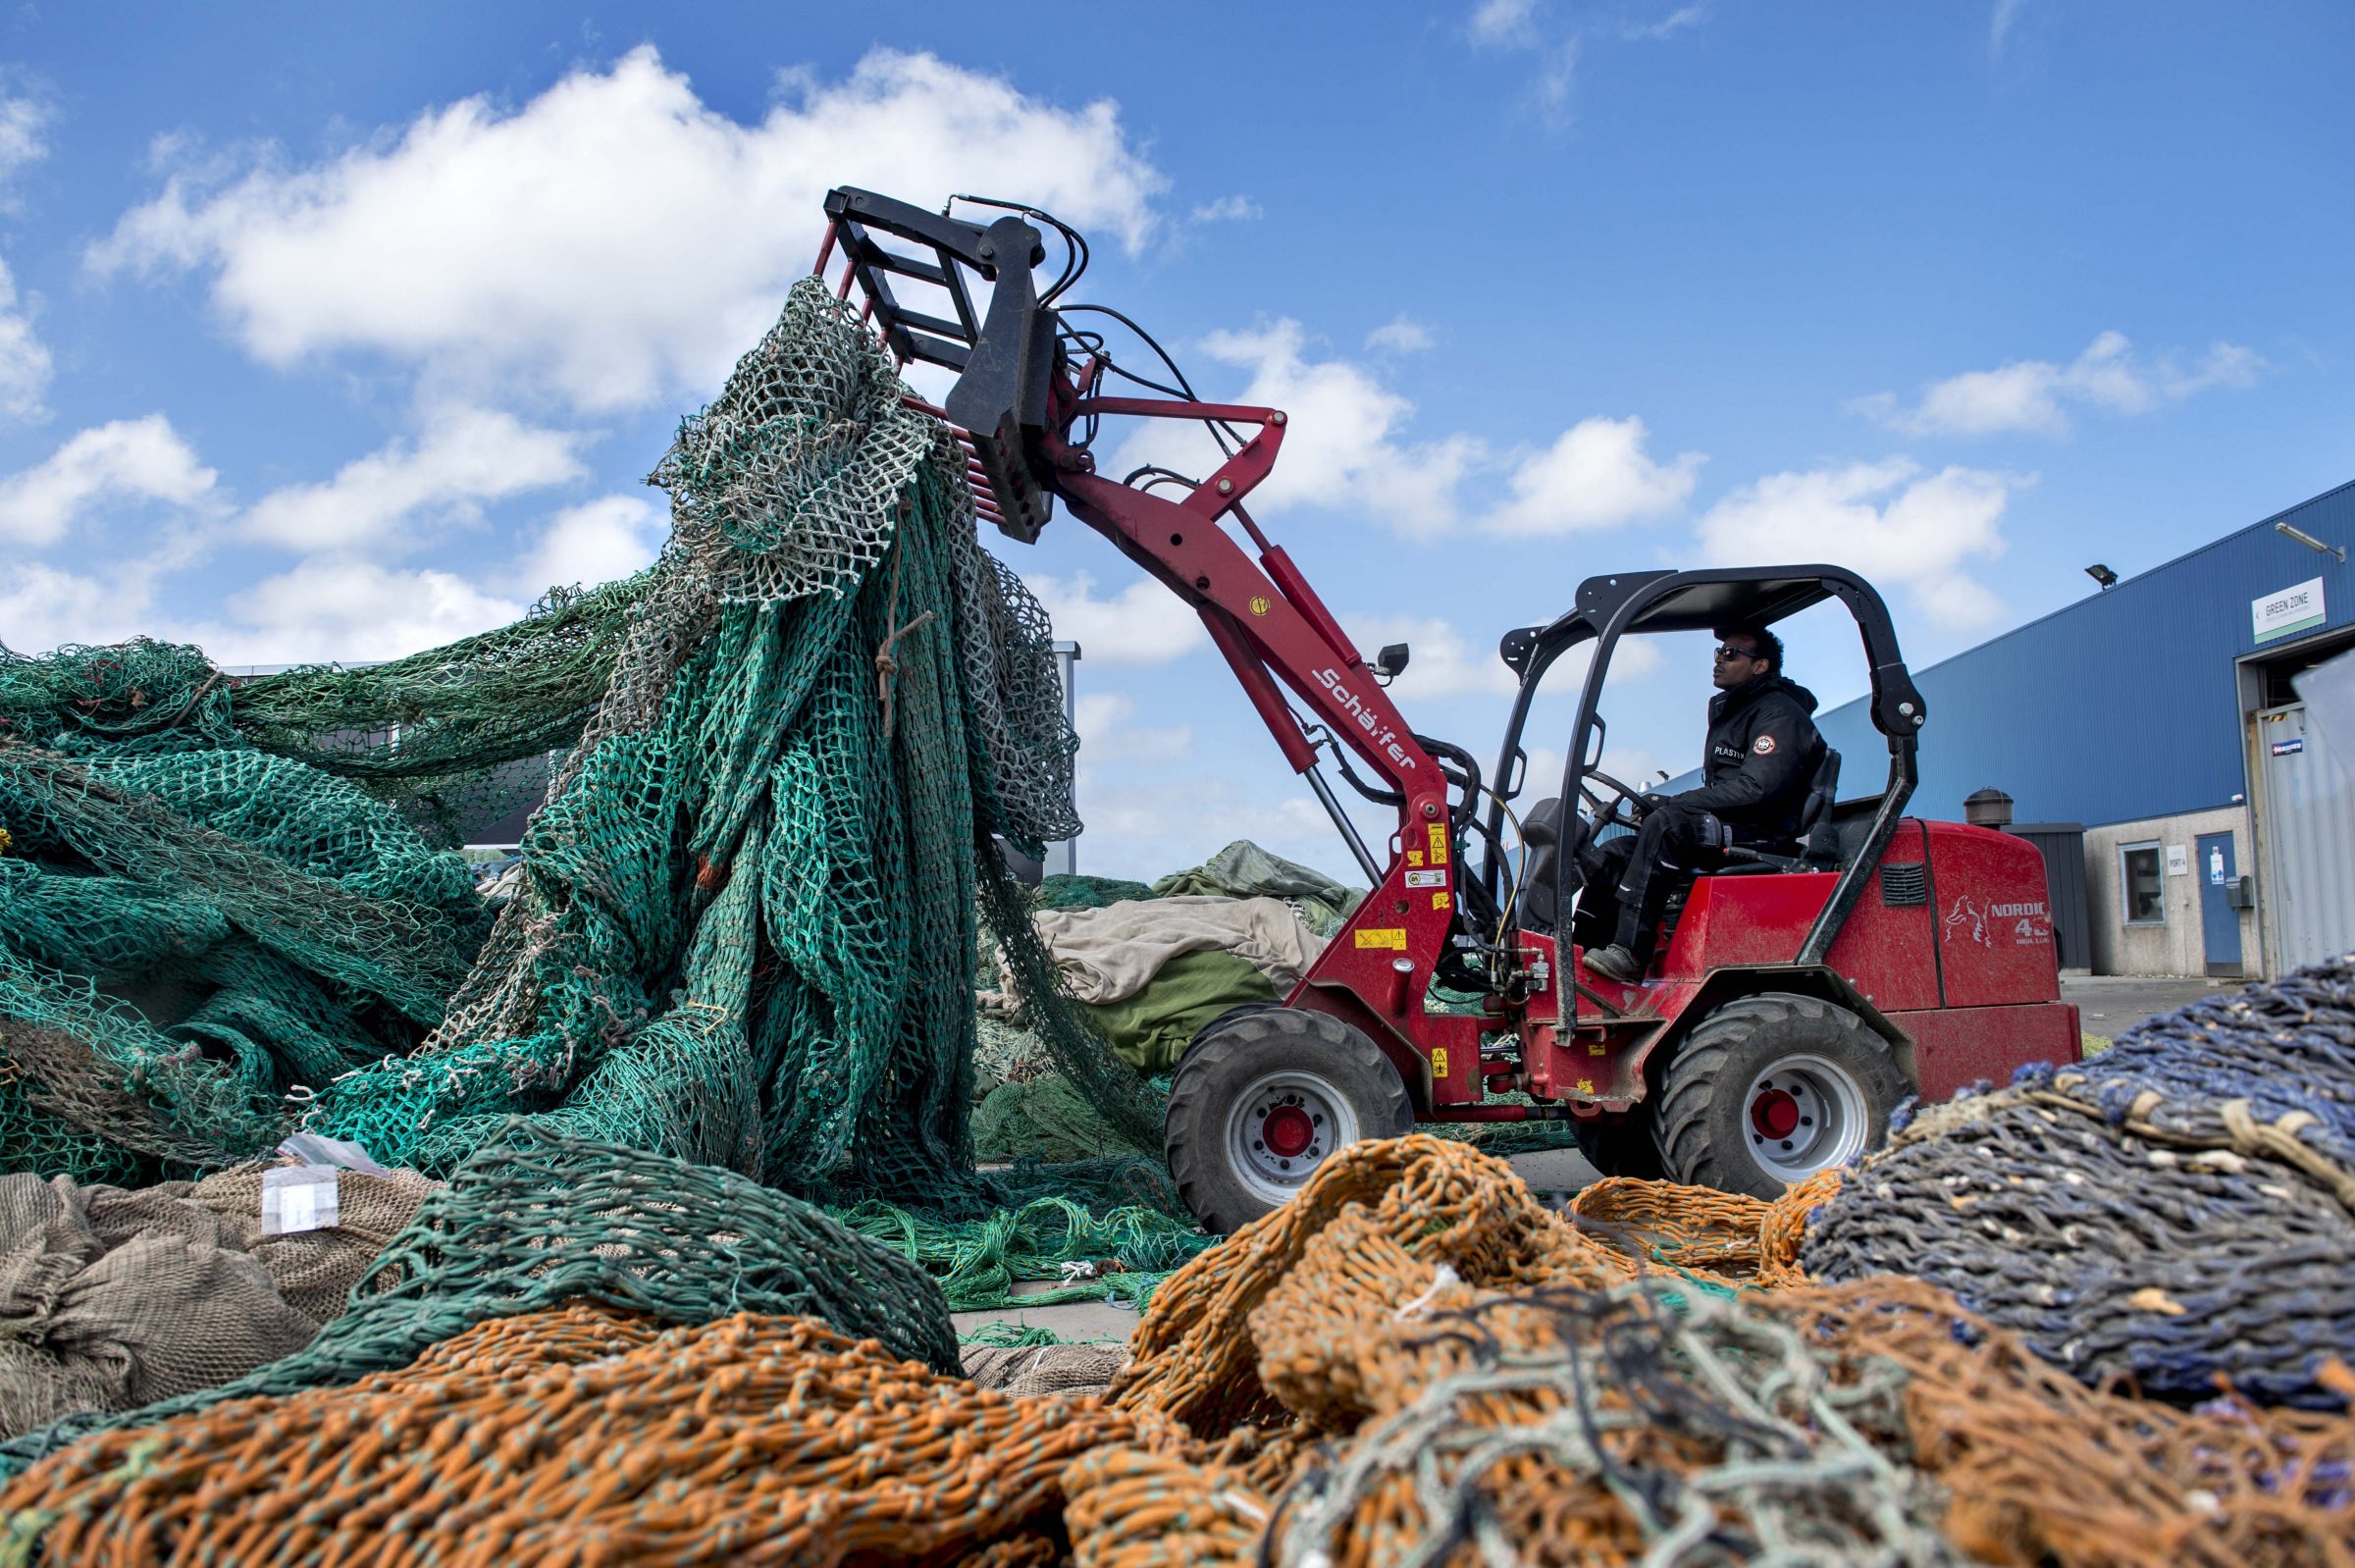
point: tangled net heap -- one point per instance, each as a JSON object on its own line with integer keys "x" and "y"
{"x": 1414, "y": 1363}
{"x": 744, "y": 915}
{"x": 2178, "y": 1209}
{"x": 830, "y": 696}
{"x": 1427, "y": 1374}
{"x": 536, "y": 1219}
{"x": 113, "y": 1300}
{"x": 581, "y": 1433}
{"x": 217, "y": 890}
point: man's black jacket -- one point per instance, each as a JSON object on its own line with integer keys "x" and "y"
{"x": 1760, "y": 757}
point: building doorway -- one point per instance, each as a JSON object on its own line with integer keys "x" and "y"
{"x": 2220, "y": 921}
{"x": 2307, "y": 827}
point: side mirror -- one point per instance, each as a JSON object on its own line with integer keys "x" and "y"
{"x": 1390, "y": 661}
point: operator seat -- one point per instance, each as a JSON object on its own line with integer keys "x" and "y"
{"x": 1817, "y": 838}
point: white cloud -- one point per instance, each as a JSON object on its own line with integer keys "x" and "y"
{"x": 24, "y": 132}
{"x": 1504, "y": 22}
{"x": 1346, "y": 448}
{"x": 23, "y": 360}
{"x": 42, "y": 608}
{"x": 1143, "y": 623}
{"x": 1998, "y": 25}
{"x": 25, "y": 364}
{"x": 614, "y": 240}
{"x": 1228, "y": 209}
{"x": 1400, "y": 336}
{"x": 349, "y": 609}
{"x": 1149, "y": 827}
{"x": 1344, "y": 443}
{"x": 1109, "y": 736}
{"x": 1441, "y": 662}
{"x": 1529, "y": 27}
{"x": 2027, "y": 395}
{"x": 127, "y": 460}
{"x": 1888, "y": 520}
{"x": 1595, "y": 475}
{"x": 1668, "y": 25}
{"x": 465, "y": 457}
{"x": 598, "y": 541}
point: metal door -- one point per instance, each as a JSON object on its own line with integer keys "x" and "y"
{"x": 2219, "y": 923}
{"x": 2309, "y": 834}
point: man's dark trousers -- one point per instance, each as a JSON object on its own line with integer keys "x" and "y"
{"x": 1674, "y": 839}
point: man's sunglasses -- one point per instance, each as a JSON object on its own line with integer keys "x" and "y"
{"x": 1724, "y": 653}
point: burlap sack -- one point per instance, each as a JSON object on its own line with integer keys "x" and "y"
{"x": 126, "y": 1298}
{"x": 112, "y": 1299}
{"x": 315, "y": 1270}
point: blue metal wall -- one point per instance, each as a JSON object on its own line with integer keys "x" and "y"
{"x": 2121, "y": 706}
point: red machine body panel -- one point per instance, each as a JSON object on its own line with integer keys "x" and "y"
{"x": 1957, "y": 957}
{"x": 1954, "y": 1047}
{"x": 1995, "y": 918}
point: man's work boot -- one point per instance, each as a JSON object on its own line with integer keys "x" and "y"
{"x": 1616, "y": 963}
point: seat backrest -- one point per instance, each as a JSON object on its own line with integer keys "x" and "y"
{"x": 1818, "y": 839}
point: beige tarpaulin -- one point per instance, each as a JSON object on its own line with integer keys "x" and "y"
{"x": 1111, "y": 954}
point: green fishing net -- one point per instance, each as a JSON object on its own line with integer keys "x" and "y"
{"x": 743, "y": 929}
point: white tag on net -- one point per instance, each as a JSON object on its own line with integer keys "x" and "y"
{"x": 299, "y": 1197}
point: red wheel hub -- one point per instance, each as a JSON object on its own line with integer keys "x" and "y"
{"x": 1287, "y": 1132}
{"x": 1774, "y": 1114}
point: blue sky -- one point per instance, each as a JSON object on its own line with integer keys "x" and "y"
{"x": 342, "y": 333}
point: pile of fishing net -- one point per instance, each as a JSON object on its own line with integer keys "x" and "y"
{"x": 1413, "y": 1362}
{"x": 536, "y": 1219}
{"x": 215, "y": 891}
{"x": 2178, "y": 1210}
{"x": 742, "y": 927}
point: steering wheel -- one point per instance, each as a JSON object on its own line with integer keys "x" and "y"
{"x": 1627, "y": 807}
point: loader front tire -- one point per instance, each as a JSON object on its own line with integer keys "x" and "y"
{"x": 1769, "y": 1089}
{"x": 1262, "y": 1098}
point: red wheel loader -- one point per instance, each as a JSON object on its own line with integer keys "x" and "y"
{"x": 1793, "y": 1001}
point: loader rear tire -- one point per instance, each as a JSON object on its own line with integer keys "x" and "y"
{"x": 1262, "y": 1098}
{"x": 1769, "y": 1089}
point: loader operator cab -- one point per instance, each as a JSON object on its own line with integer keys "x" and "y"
{"x": 1590, "y": 803}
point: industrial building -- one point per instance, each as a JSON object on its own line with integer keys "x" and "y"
{"x": 2156, "y": 723}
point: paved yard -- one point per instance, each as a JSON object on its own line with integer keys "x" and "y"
{"x": 2108, "y": 1006}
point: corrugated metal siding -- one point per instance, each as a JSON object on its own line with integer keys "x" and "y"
{"x": 2309, "y": 840}
{"x": 2124, "y": 705}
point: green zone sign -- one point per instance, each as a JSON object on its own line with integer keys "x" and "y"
{"x": 2293, "y": 609}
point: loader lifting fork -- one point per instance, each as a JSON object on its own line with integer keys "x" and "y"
{"x": 1795, "y": 999}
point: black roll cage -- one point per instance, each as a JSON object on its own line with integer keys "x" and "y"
{"x": 1610, "y": 608}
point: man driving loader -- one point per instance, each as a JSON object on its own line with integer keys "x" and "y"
{"x": 1759, "y": 759}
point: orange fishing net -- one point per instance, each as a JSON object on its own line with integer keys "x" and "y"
{"x": 577, "y": 1435}
{"x": 1440, "y": 1202}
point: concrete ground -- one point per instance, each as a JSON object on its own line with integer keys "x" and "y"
{"x": 2107, "y": 1006}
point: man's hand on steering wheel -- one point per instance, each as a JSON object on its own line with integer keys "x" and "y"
{"x": 1628, "y": 805}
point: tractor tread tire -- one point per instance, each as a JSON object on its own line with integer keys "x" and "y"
{"x": 1230, "y": 1052}
{"x": 1689, "y": 1124}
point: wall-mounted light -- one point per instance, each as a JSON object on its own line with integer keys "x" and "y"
{"x": 2310, "y": 542}
{"x": 2101, "y": 574}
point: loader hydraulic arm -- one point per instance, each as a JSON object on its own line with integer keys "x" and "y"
{"x": 1029, "y": 397}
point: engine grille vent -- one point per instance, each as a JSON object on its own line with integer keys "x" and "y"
{"x": 1905, "y": 884}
